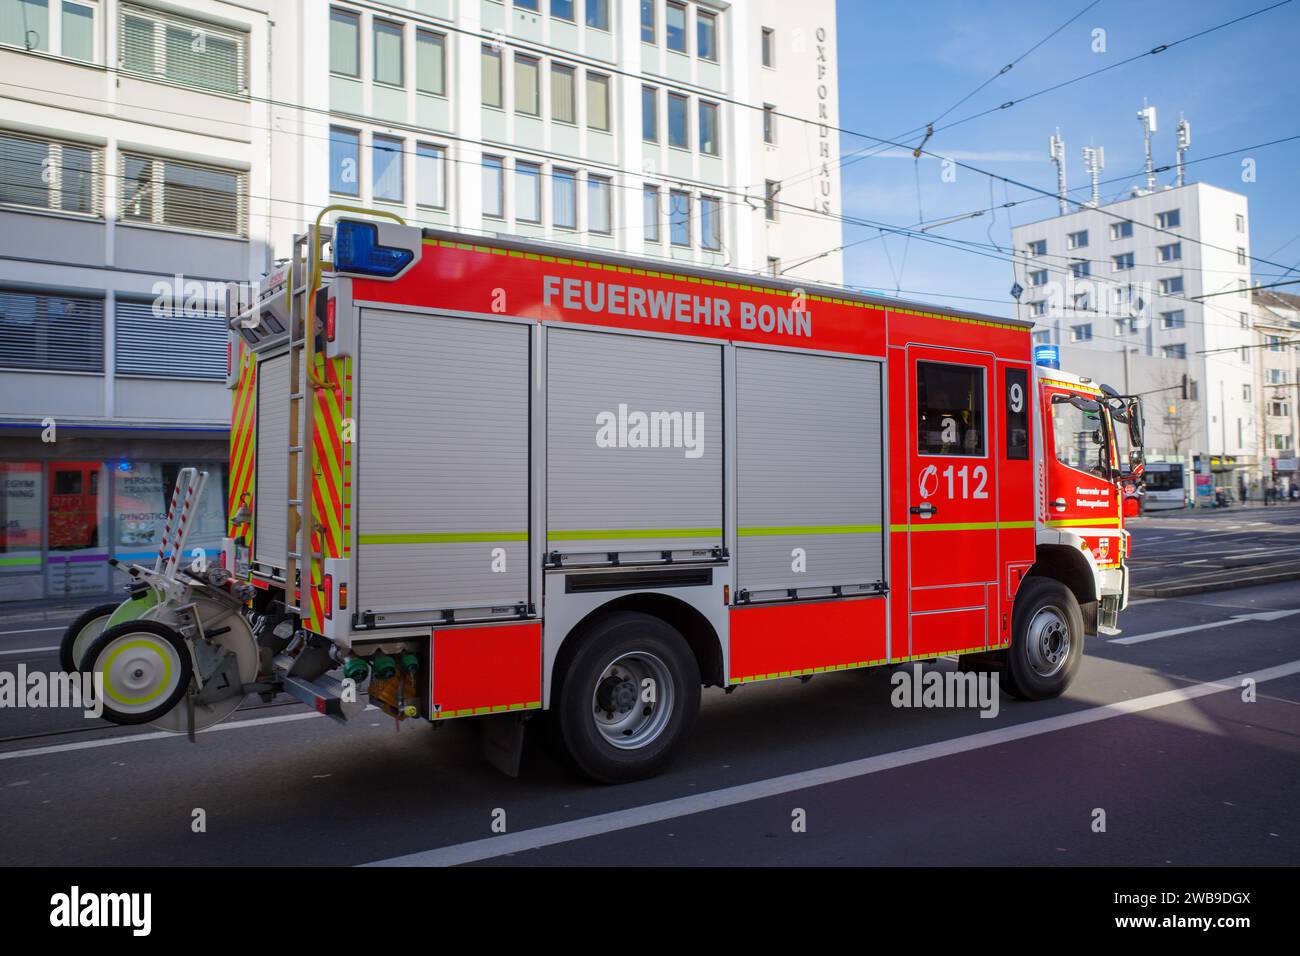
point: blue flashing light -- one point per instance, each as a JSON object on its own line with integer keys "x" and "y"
{"x": 357, "y": 250}
{"x": 1048, "y": 356}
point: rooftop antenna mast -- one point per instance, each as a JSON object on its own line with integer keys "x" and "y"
{"x": 1057, "y": 149}
{"x": 1184, "y": 144}
{"x": 1094, "y": 158}
{"x": 1147, "y": 117}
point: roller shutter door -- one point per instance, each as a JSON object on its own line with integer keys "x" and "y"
{"x": 271, "y": 490}
{"x": 634, "y": 445}
{"x": 442, "y": 450}
{"x": 809, "y": 491}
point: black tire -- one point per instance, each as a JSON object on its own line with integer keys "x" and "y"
{"x": 590, "y": 675}
{"x": 1047, "y": 640}
{"x": 104, "y": 651}
{"x": 74, "y": 644}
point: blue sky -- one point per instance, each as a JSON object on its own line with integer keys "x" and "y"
{"x": 901, "y": 64}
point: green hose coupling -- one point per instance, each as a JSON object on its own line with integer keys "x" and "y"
{"x": 410, "y": 664}
{"x": 383, "y": 667}
{"x": 356, "y": 669}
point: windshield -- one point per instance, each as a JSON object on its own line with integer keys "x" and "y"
{"x": 1167, "y": 480}
{"x": 1081, "y": 437}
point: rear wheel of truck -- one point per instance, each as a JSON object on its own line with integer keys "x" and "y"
{"x": 1047, "y": 640}
{"x": 627, "y": 698}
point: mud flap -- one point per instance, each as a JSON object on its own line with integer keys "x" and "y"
{"x": 503, "y": 742}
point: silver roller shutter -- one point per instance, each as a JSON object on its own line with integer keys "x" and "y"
{"x": 627, "y": 498}
{"x": 808, "y": 473}
{"x": 271, "y": 492}
{"x": 442, "y": 447}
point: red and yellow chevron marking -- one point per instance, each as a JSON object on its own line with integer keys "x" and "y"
{"x": 327, "y": 490}
{"x": 243, "y": 441}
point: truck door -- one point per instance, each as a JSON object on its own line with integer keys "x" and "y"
{"x": 952, "y": 506}
{"x": 1080, "y": 494}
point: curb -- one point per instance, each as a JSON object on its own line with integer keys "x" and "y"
{"x": 1206, "y": 587}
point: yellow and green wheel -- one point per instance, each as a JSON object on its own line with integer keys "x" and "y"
{"x": 146, "y": 668}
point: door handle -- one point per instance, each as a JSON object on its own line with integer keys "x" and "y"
{"x": 1058, "y": 504}
{"x": 924, "y": 510}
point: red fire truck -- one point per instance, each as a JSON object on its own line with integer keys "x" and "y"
{"x": 488, "y": 478}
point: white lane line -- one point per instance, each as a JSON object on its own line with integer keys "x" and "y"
{"x": 1235, "y": 619}
{"x": 154, "y": 735}
{"x": 1146, "y": 601}
{"x": 618, "y": 820}
{"x": 34, "y": 630}
{"x": 29, "y": 650}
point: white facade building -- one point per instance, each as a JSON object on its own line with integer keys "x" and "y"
{"x": 152, "y": 151}
{"x": 1275, "y": 319}
{"x": 1139, "y": 293}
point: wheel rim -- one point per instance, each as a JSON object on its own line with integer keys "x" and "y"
{"x": 624, "y": 718}
{"x": 86, "y": 635}
{"x": 1048, "y": 641}
{"x": 141, "y": 671}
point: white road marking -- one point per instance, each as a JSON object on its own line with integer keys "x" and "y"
{"x": 29, "y": 650}
{"x": 1235, "y": 619}
{"x": 604, "y": 823}
{"x": 33, "y": 630}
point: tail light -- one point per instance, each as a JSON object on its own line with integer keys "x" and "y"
{"x": 329, "y": 320}
{"x": 328, "y": 586}
{"x": 343, "y": 597}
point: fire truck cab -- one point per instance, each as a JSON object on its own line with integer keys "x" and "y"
{"x": 478, "y": 478}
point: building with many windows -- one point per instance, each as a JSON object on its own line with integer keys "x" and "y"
{"x": 1275, "y": 320}
{"x": 1144, "y": 291}
{"x": 152, "y": 151}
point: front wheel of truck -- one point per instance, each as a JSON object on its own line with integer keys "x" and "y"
{"x": 1046, "y": 642}
{"x": 627, "y": 698}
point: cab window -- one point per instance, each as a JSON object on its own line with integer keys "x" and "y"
{"x": 950, "y": 409}
{"x": 1078, "y": 436}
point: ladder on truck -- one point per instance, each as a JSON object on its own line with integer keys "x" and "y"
{"x": 304, "y": 541}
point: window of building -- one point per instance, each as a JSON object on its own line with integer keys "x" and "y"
{"x": 1275, "y": 343}
{"x": 1080, "y": 269}
{"x": 1076, "y": 240}
{"x": 650, "y": 213}
{"x": 1042, "y": 337}
{"x": 494, "y": 198}
{"x": 708, "y": 128}
{"x": 769, "y": 123}
{"x": 528, "y": 191}
{"x": 771, "y": 188}
{"x": 77, "y": 22}
{"x": 491, "y": 70}
{"x": 42, "y": 173}
{"x": 1172, "y": 320}
{"x": 1245, "y": 393}
{"x": 1123, "y": 326}
{"x": 345, "y": 42}
{"x": 431, "y": 62}
{"x": 1122, "y": 262}
{"x": 564, "y": 198}
{"x": 431, "y": 176}
{"x": 1171, "y": 252}
{"x": 162, "y": 46}
{"x": 1241, "y": 288}
{"x": 1037, "y": 247}
{"x": 1175, "y": 351}
{"x": 562, "y": 9}
{"x": 1121, "y": 230}
{"x": 706, "y": 35}
{"x": 345, "y": 161}
{"x": 1038, "y": 277}
{"x": 1279, "y": 409}
{"x": 1241, "y": 223}
{"x": 533, "y": 6}
{"x": 563, "y": 93}
{"x": 648, "y": 21}
{"x": 1244, "y": 319}
{"x": 1280, "y": 442}
{"x": 598, "y": 14}
{"x": 679, "y": 217}
{"x": 1171, "y": 286}
{"x": 649, "y": 114}
{"x": 1038, "y": 309}
{"x": 679, "y": 133}
{"x": 1080, "y": 301}
{"x": 949, "y": 409}
{"x": 1275, "y": 376}
{"x": 145, "y": 334}
{"x": 386, "y": 168}
{"x": 597, "y": 101}
{"x": 599, "y": 210}
{"x": 711, "y": 223}
{"x": 174, "y": 192}
{"x": 1081, "y": 333}
{"x": 1169, "y": 219}
{"x": 767, "y": 45}
{"x": 773, "y": 266}
{"x": 388, "y": 53}
{"x": 51, "y": 331}
{"x": 675, "y": 26}
{"x": 1241, "y": 255}
{"x": 527, "y": 92}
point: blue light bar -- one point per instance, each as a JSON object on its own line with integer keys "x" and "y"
{"x": 357, "y": 250}
{"x": 1048, "y": 356}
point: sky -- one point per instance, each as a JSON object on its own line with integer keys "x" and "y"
{"x": 903, "y": 64}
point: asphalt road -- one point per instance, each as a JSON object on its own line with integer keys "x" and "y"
{"x": 1185, "y": 771}
{"x": 1237, "y": 543}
